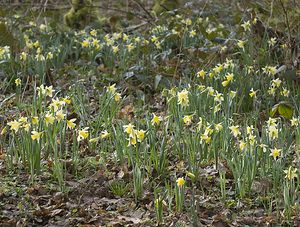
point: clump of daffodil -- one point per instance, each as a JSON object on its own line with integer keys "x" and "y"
{"x": 187, "y": 21}
{"x": 93, "y": 32}
{"x": 211, "y": 91}
{"x": 40, "y": 57}
{"x": 193, "y": 33}
{"x": 71, "y": 123}
{"x": 14, "y": 125}
{"x": 56, "y": 104}
{"x": 272, "y": 128}
{"x": 96, "y": 44}
{"x": 21, "y": 123}
{"x": 134, "y": 136}
{"x": 295, "y": 122}
{"x": 183, "y": 98}
{"x": 5, "y": 53}
{"x": 217, "y": 108}
{"x": 130, "y": 47}
{"x": 35, "y": 135}
{"x": 49, "y": 119}
{"x": 129, "y": 129}
{"x": 156, "y": 119}
{"x": 275, "y": 84}
{"x": 246, "y": 25}
{"x": 115, "y": 49}
{"x": 117, "y": 36}
{"x": 18, "y": 82}
{"x": 105, "y": 134}
{"x": 201, "y": 74}
{"x": 200, "y": 124}
{"x": 49, "y": 56}
{"x": 60, "y": 115}
{"x": 275, "y": 153}
{"x": 242, "y": 145}
{"x": 180, "y": 182}
{"x": 291, "y": 173}
{"x": 47, "y": 91}
{"x": 23, "y": 56}
{"x": 113, "y": 91}
{"x": 229, "y": 64}
{"x": 285, "y": 92}
{"x": 179, "y": 193}
{"x": 187, "y": 119}
{"x": 229, "y": 78}
{"x": 272, "y": 42}
{"x": 263, "y": 147}
{"x": 252, "y": 93}
{"x": 140, "y": 134}
{"x": 217, "y": 69}
{"x": 218, "y": 127}
{"x": 206, "y": 136}
{"x": 284, "y": 46}
{"x": 218, "y": 97}
{"x": 235, "y": 131}
{"x": 232, "y": 94}
{"x": 241, "y": 44}
{"x": 3, "y": 131}
{"x": 269, "y": 70}
{"x": 83, "y": 134}
{"x": 85, "y": 43}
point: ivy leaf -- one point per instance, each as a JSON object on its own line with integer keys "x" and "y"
{"x": 283, "y": 109}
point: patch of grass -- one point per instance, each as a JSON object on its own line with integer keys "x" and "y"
{"x": 119, "y": 188}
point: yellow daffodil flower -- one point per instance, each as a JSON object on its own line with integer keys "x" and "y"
{"x": 291, "y": 173}
{"x": 180, "y": 182}
{"x": 275, "y": 153}
{"x": 14, "y": 125}
{"x": 83, "y": 134}
{"x": 105, "y": 134}
{"x": 71, "y": 124}
{"x": 183, "y": 98}
{"x": 36, "y": 135}
{"x": 140, "y": 134}
{"x": 235, "y": 130}
{"x": 18, "y": 82}
{"x": 187, "y": 119}
{"x": 60, "y": 115}
{"x": 49, "y": 119}
{"x": 156, "y": 119}
{"x": 35, "y": 120}
{"x": 129, "y": 129}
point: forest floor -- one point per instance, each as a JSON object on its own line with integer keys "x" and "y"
{"x": 186, "y": 119}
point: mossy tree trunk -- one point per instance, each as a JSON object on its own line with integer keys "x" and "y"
{"x": 81, "y": 14}
{"x": 161, "y": 6}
